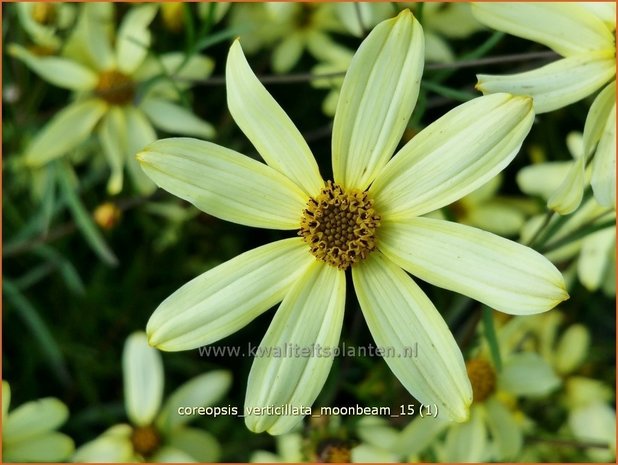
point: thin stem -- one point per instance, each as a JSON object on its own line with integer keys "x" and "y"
{"x": 492, "y": 337}
{"x": 548, "y": 216}
{"x": 306, "y": 77}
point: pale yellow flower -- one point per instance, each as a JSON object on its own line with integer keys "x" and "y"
{"x": 106, "y": 76}
{"x": 584, "y": 34}
{"x": 369, "y": 219}
{"x": 29, "y": 431}
{"x": 157, "y": 431}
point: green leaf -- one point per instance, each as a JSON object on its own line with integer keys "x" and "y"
{"x": 65, "y": 267}
{"x": 83, "y": 219}
{"x": 40, "y": 331}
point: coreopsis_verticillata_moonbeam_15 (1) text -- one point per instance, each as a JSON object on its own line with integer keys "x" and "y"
{"x": 584, "y": 34}
{"x": 367, "y": 219}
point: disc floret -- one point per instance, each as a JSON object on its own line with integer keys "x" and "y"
{"x": 340, "y": 225}
{"x": 482, "y": 378}
{"x": 115, "y": 88}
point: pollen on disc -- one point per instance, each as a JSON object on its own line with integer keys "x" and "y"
{"x": 340, "y": 225}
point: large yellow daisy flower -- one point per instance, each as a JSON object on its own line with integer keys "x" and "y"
{"x": 368, "y": 219}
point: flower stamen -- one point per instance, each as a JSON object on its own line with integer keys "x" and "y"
{"x": 145, "y": 440}
{"x": 115, "y": 87}
{"x": 482, "y": 378}
{"x": 340, "y": 226}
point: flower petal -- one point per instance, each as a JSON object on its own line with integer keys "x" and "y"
{"x": 504, "y": 430}
{"x": 569, "y": 194}
{"x": 453, "y": 156}
{"x": 200, "y": 445}
{"x": 567, "y": 28}
{"x": 527, "y": 374}
{"x": 168, "y": 454}
{"x": 65, "y": 131}
{"x": 595, "y": 422}
{"x": 503, "y": 274}
{"x": 196, "y": 68}
{"x": 400, "y": 317}
{"x": 467, "y": 442}
{"x": 603, "y": 179}
{"x": 50, "y": 447}
{"x": 175, "y": 119}
{"x": 377, "y": 98}
{"x": 287, "y": 53}
{"x": 420, "y": 434}
{"x": 95, "y": 31}
{"x": 557, "y": 84}
{"x": 310, "y": 316}
{"x": 139, "y": 134}
{"x": 267, "y": 126}
{"x": 142, "y": 369}
{"x": 105, "y": 449}
{"x": 598, "y": 114}
{"x": 133, "y": 39}
{"x": 543, "y": 179}
{"x": 595, "y": 258}
{"x": 201, "y": 391}
{"x": 112, "y": 132}
{"x": 34, "y": 418}
{"x": 224, "y": 183}
{"x": 59, "y": 71}
{"x": 227, "y": 297}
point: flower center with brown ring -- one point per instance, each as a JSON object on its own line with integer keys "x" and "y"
{"x": 482, "y": 378}
{"x": 115, "y": 87}
{"x": 145, "y": 440}
{"x": 340, "y": 226}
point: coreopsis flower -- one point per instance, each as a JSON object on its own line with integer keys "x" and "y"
{"x": 496, "y": 426}
{"x": 566, "y": 347}
{"x": 584, "y": 34}
{"x": 291, "y": 28}
{"x": 173, "y": 13}
{"x": 157, "y": 431}
{"x": 29, "y": 431}
{"x": 369, "y": 219}
{"x": 115, "y": 95}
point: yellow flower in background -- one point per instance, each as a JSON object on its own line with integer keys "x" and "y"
{"x": 486, "y": 209}
{"x": 106, "y": 76}
{"x": 584, "y": 34}
{"x": 593, "y": 256}
{"x": 157, "y": 433}
{"x": 290, "y": 28}
{"x": 369, "y": 219}
{"x": 43, "y": 20}
{"x": 566, "y": 348}
{"x": 496, "y": 426}
{"x": 29, "y": 431}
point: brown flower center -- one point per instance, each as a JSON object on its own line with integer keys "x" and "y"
{"x": 115, "y": 87}
{"x": 482, "y": 378}
{"x": 334, "y": 451}
{"x": 340, "y": 226}
{"x": 145, "y": 440}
